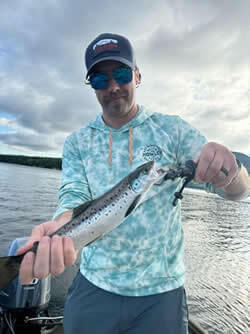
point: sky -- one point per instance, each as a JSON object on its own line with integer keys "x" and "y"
{"x": 193, "y": 55}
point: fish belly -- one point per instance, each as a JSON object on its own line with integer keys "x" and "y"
{"x": 102, "y": 222}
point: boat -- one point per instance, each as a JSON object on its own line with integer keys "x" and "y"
{"x": 25, "y": 308}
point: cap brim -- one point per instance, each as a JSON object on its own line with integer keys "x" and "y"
{"x": 120, "y": 59}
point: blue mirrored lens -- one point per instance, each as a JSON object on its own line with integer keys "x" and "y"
{"x": 122, "y": 75}
{"x": 99, "y": 80}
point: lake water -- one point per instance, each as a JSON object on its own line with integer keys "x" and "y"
{"x": 217, "y": 243}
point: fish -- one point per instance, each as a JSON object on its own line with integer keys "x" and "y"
{"x": 93, "y": 219}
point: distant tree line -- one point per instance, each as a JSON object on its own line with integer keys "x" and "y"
{"x": 52, "y": 163}
{"x": 56, "y": 163}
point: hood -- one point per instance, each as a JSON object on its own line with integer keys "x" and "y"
{"x": 141, "y": 116}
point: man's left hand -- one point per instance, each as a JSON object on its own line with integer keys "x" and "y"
{"x": 216, "y": 165}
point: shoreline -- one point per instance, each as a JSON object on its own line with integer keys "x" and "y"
{"x": 50, "y": 163}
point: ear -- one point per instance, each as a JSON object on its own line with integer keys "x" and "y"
{"x": 137, "y": 76}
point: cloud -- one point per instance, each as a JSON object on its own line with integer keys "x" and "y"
{"x": 4, "y": 122}
{"x": 193, "y": 55}
{"x": 219, "y": 42}
{"x": 32, "y": 142}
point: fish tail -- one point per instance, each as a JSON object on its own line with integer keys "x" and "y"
{"x": 9, "y": 269}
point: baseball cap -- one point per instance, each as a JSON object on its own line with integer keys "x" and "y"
{"x": 109, "y": 46}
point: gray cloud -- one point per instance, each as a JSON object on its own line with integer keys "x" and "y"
{"x": 30, "y": 142}
{"x": 193, "y": 56}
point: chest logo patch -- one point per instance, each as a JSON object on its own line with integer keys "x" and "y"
{"x": 152, "y": 152}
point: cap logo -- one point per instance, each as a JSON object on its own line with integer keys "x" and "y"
{"x": 105, "y": 45}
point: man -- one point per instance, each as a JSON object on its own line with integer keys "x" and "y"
{"x": 131, "y": 280}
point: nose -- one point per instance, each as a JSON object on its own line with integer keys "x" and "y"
{"x": 113, "y": 86}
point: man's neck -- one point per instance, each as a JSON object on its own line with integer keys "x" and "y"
{"x": 118, "y": 122}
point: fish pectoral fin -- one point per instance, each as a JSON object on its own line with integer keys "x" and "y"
{"x": 81, "y": 208}
{"x": 133, "y": 205}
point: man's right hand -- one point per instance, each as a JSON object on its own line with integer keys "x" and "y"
{"x": 53, "y": 254}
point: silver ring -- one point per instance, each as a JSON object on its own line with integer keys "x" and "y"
{"x": 224, "y": 170}
{"x": 35, "y": 280}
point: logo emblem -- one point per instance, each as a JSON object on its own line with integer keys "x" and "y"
{"x": 105, "y": 45}
{"x": 152, "y": 152}
{"x": 105, "y": 41}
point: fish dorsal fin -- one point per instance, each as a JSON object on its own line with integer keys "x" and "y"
{"x": 81, "y": 208}
{"x": 133, "y": 205}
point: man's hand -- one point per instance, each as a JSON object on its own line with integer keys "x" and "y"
{"x": 212, "y": 159}
{"x": 53, "y": 254}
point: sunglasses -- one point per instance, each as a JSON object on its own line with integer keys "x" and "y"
{"x": 122, "y": 76}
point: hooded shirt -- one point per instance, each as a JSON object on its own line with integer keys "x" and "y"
{"x": 144, "y": 254}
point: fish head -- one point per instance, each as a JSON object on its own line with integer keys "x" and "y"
{"x": 143, "y": 177}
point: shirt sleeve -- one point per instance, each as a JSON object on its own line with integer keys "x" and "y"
{"x": 191, "y": 143}
{"x": 74, "y": 189}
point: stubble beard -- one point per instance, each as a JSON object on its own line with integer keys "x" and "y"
{"x": 119, "y": 108}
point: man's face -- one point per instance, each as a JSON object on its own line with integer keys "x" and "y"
{"x": 116, "y": 100}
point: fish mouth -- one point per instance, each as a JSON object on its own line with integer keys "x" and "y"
{"x": 159, "y": 174}
{"x": 156, "y": 174}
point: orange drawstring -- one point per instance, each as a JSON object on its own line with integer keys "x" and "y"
{"x": 130, "y": 146}
{"x": 110, "y": 148}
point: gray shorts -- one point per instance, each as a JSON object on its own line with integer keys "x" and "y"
{"x": 91, "y": 310}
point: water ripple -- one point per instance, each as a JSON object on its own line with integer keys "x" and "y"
{"x": 217, "y": 243}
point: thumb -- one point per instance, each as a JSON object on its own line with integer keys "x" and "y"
{"x": 36, "y": 235}
{"x": 27, "y": 246}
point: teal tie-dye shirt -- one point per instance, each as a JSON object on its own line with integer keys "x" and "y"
{"x": 144, "y": 255}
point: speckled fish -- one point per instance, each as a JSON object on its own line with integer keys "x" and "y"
{"x": 91, "y": 220}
